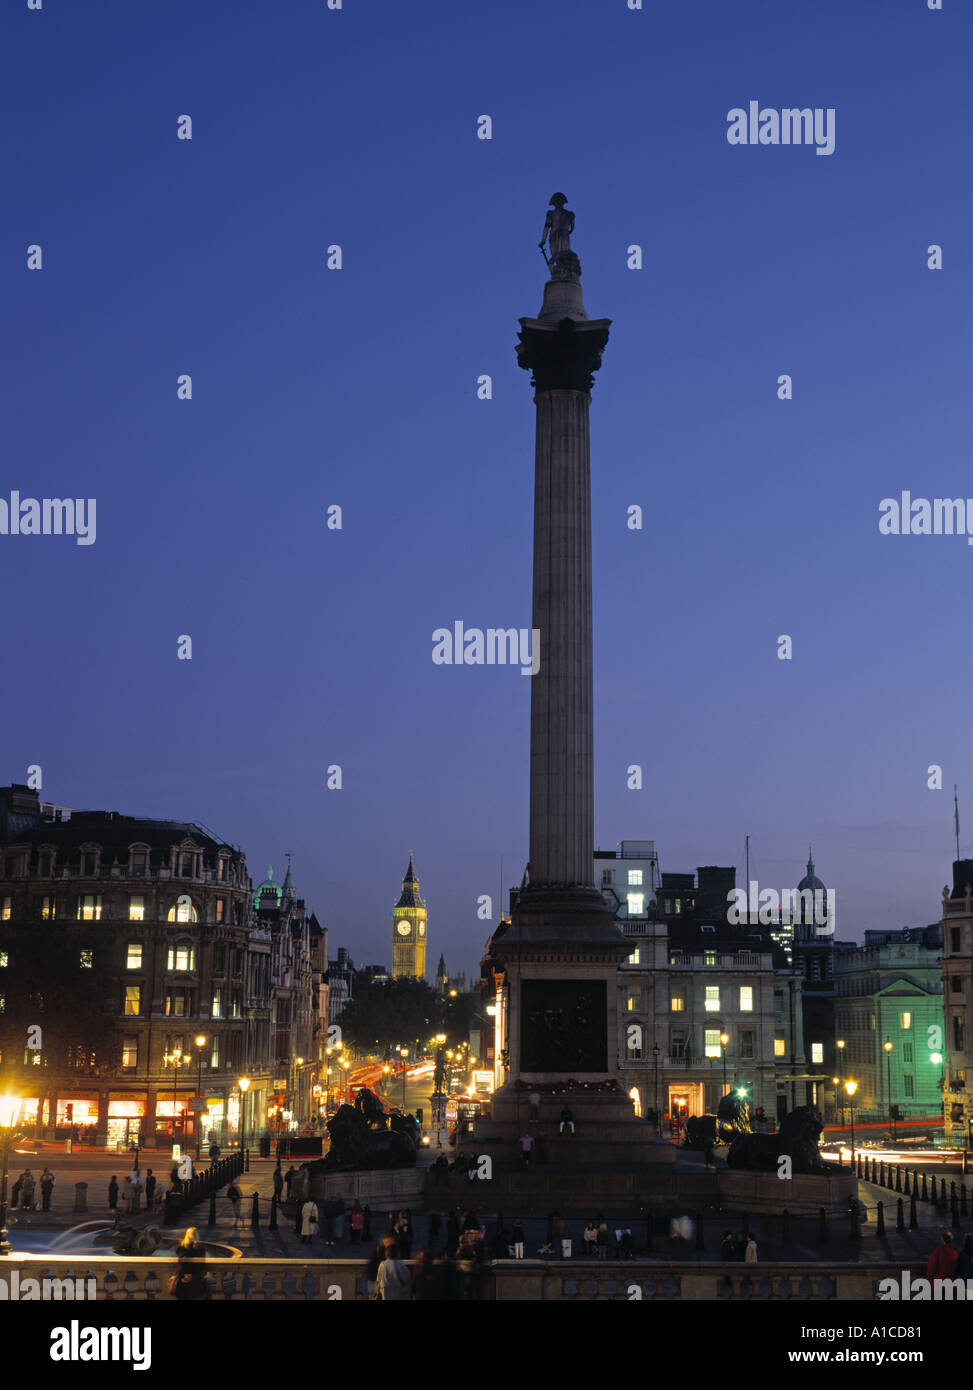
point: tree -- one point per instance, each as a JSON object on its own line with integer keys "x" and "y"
{"x": 384, "y": 1014}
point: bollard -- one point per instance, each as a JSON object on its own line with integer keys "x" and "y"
{"x": 211, "y": 1219}
{"x": 913, "y": 1212}
{"x": 81, "y": 1196}
{"x": 906, "y": 1189}
{"x": 943, "y": 1201}
{"x": 255, "y": 1218}
{"x": 858, "y": 1168}
{"x": 925, "y": 1189}
{"x": 899, "y": 1215}
{"x": 822, "y": 1226}
{"x": 699, "y": 1232}
{"x": 246, "y": 1160}
{"x": 898, "y": 1177}
{"x": 880, "y": 1220}
{"x": 881, "y": 1174}
{"x": 272, "y": 1223}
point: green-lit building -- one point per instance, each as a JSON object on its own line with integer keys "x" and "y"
{"x": 890, "y": 990}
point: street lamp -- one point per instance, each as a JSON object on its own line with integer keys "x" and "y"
{"x": 724, "y": 1039}
{"x": 887, "y": 1044}
{"x": 244, "y": 1083}
{"x": 200, "y": 1041}
{"x": 851, "y": 1087}
{"x": 9, "y": 1133}
{"x": 836, "y": 1082}
{"x": 404, "y": 1054}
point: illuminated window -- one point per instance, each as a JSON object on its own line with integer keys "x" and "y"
{"x": 133, "y": 956}
{"x": 181, "y": 958}
{"x": 677, "y": 1001}
{"x": 712, "y": 1042}
{"x": 220, "y": 908}
{"x": 636, "y": 904}
{"x": 221, "y": 872}
{"x": 133, "y": 1000}
{"x": 634, "y": 958}
{"x": 89, "y": 907}
{"x": 709, "y": 957}
{"x": 87, "y": 960}
{"x": 712, "y": 1002}
{"x": 636, "y": 1098}
{"x": 176, "y": 1004}
{"x": 746, "y": 999}
{"x": 217, "y": 1008}
{"x": 136, "y": 908}
{"x": 907, "y": 1020}
{"x": 780, "y": 1048}
{"x": 4, "y": 960}
{"x": 634, "y": 999}
{"x": 48, "y": 908}
{"x": 183, "y": 911}
{"x": 6, "y": 907}
{"x": 214, "y": 1056}
{"x": 679, "y": 904}
{"x": 130, "y": 1053}
{"x": 635, "y": 878}
{"x": 817, "y": 1053}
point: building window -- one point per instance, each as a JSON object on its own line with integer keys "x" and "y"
{"x": 712, "y": 1042}
{"x": 4, "y": 960}
{"x": 634, "y": 958}
{"x": 130, "y": 1053}
{"x": 133, "y": 956}
{"x": 606, "y": 878}
{"x": 183, "y": 911}
{"x": 45, "y": 862}
{"x": 133, "y": 1000}
{"x": 780, "y": 1049}
{"x": 6, "y": 907}
{"x": 633, "y": 1046}
{"x": 176, "y": 1004}
{"x": 959, "y": 1043}
{"x": 668, "y": 906}
{"x": 956, "y": 984}
{"x": 216, "y": 1011}
{"x": 140, "y": 863}
{"x": 907, "y": 1052}
{"x": 87, "y": 960}
{"x": 181, "y": 958}
{"x": 709, "y": 957}
{"x": 235, "y": 1004}
{"x": 48, "y": 908}
{"x": 817, "y": 1054}
{"x": 89, "y": 859}
{"x": 136, "y": 908}
{"x": 185, "y": 866}
{"x": 89, "y": 907}
{"x": 746, "y": 999}
{"x": 214, "y": 1056}
{"x": 636, "y": 904}
{"x": 219, "y": 960}
{"x": 954, "y": 939}
{"x": 746, "y": 1044}
{"x": 712, "y": 1001}
{"x": 906, "y": 1020}
{"x": 677, "y": 1001}
{"x": 679, "y": 904}
{"x": 909, "y": 1083}
{"x": 634, "y": 999}
{"x": 635, "y": 878}
{"x": 221, "y": 909}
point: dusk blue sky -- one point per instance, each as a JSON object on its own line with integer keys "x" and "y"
{"x": 358, "y": 387}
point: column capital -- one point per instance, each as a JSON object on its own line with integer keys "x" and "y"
{"x": 562, "y": 356}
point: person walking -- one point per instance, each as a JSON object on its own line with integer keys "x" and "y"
{"x": 943, "y": 1260}
{"x": 28, "y": 1191}
{"x": 526, "y": 1142}
{"x": 288, "y": 1179}
{"x": 566, "y": 1119}
{"x": 726, "y": 1246}
{"x": 113, "y": 1193}
{"x": 403, "y": 1234}
{"x": 739, "y": 1247}
{"x": 517, "y": 1239}
{"x": 189, "y": 1281}
{"x": 15, "y": 1193}
{"x": 47, "y": 1189}
{"x": 750, "y": 1254}
{"x": 393, "y": 1279}
{"x": 602, "y": 1237}
{"x": 590, "y": 1237}
{"x": 356, "y": 1221}
{"x": 278, "y": 1181}
{"x": 235, "y": 1196}
{"x": 309, "y": 1221}
{"x": 150, "y": 1186}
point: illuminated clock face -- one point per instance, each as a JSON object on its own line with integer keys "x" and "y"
{"x": 402, "y": 928}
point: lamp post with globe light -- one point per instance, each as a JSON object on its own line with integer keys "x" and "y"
{"x": 851, "y": 1087}
{"x": 200, "y": 1041}
{"x": 887, "y": 1044}
{"x": 9, "y": 1134}
{"x": 244, "y": 1083}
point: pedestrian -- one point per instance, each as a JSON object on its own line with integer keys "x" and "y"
{"x": 356, "y": 1221}
{"x": 235, "y": 1195}
{"x": 28, "y": 1191}
{"x": 726, "y": 1246}
{"x": 150, "y": 1186}
{"x": 309, "y": 1221}
{"x": 739, "y": 1247}
{"x": 15, "y": 1192}
{"x": 440, "y": 1170}
{"x": 214, "y": 1151}
{"x": 750, "y": 1254}
{"x": 943, "y": 1260}
{"x": 590, "y": 1238}
{"x": 566, "y": 1119}
{"x": 602, "y": 1237}
{"x": 289, "y": 1178}
{"x": 47, "y": 1189}
{"x": 403, "y": 1234}
{"x": 517, "y": 1239}
{"x": 113, "y": 1193}
{"x": 392, "y": 1279}
{"x": 128, "y": 1193}
{"x": 278, "y": 1181}
{"x": 189, "y": 1281}
{"x": 526, "y": 1142}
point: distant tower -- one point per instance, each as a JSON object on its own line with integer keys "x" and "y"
{"x": 442, "y": 979}
{"x": 409, "y": 930}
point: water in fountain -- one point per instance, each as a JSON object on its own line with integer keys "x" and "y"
{"x": 73, "y": 1239}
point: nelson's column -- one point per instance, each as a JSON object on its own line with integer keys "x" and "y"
{"x": 556, "y": 962}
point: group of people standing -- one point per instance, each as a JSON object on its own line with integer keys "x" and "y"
{"x": 740, "y": 1247}
{"x": 24, "y": 1191}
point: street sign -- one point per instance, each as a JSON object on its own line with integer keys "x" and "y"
{"x": 197, "y": 1104}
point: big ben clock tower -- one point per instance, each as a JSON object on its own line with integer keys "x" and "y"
{"x": 409, "y": 930}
